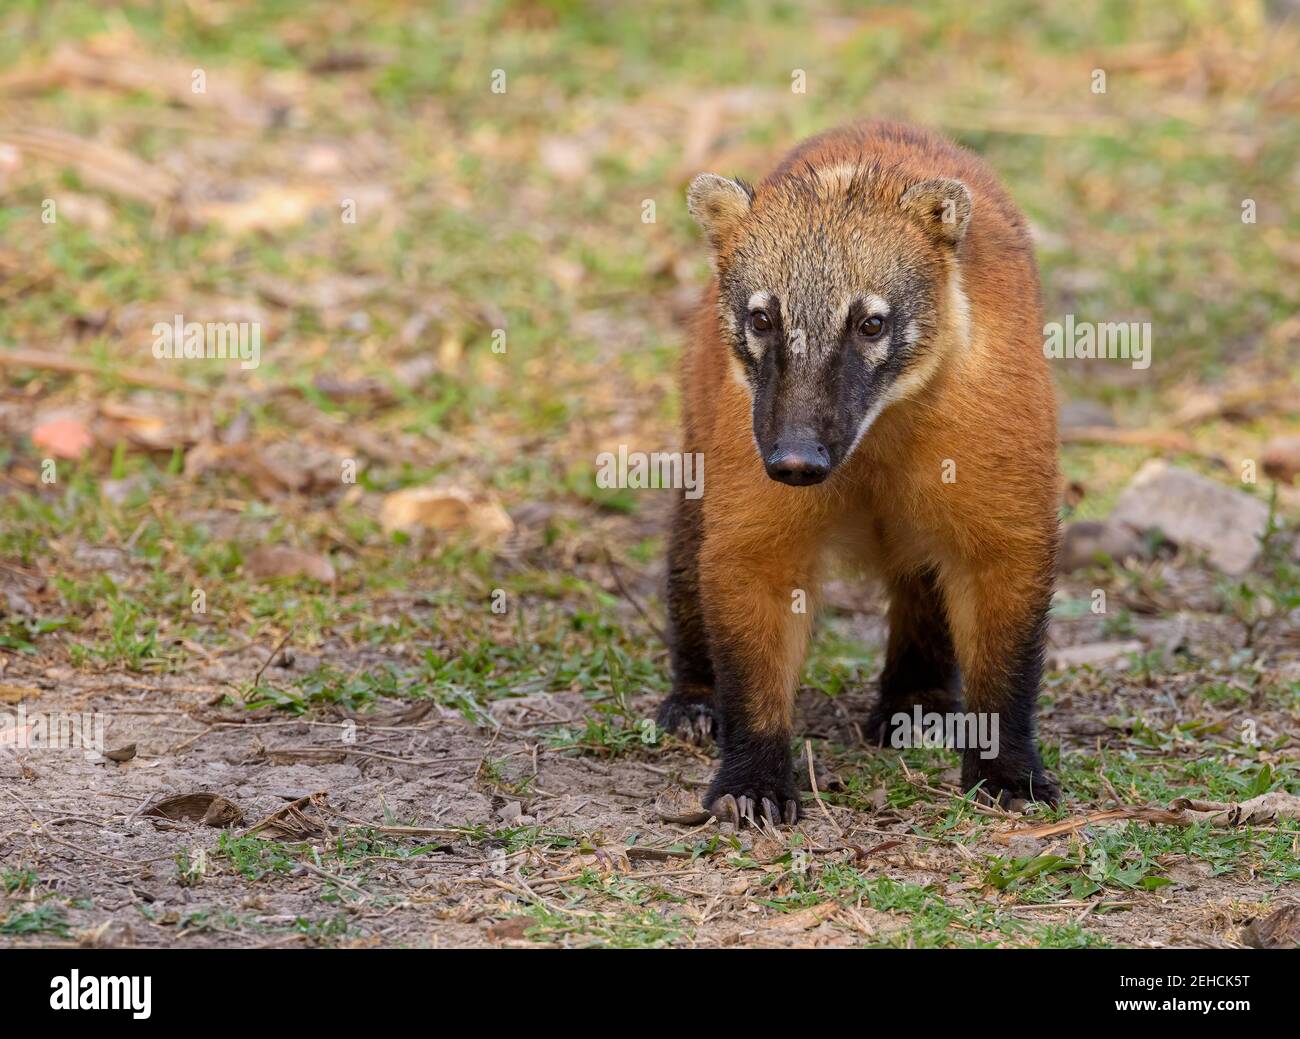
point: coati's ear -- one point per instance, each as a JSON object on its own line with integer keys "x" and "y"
{"x": 718, "y": 206}
{"x": 942, "y": 205}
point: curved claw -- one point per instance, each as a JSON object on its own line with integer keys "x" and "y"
{"x": 741, "y": 809}
{"x": 725, "y": 810}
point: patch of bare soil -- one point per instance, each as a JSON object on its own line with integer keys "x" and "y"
{"x": 398, "y": 826}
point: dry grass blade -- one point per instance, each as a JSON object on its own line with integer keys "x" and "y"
{"x": 99, "y": 165}
{"x": 65, "y": 365}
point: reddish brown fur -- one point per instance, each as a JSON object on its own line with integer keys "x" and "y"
{"x": 990, "y": 536}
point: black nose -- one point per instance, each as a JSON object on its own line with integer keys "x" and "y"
{"x": 799, "y": 462}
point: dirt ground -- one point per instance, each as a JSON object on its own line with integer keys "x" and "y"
{"x": 425, "y": 829}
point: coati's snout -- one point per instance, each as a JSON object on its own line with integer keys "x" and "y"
{"x": 835, "y": 289}
{"x": 799, "y": 459}
{"x": 807, "y": 411}
{"x": 812, "y": 402}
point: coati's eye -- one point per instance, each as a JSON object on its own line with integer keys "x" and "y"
{"x": 871, "y": 327}
{"x": 760, "y": 322}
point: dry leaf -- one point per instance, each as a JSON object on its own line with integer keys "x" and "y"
{"x": 293, "y": 821}
{"x": 511, "y": 929}
{"x": 1282, "y": 458}
{"x": 676, "y": 805}
{"x": 272, "y": 207}
{"x": 445, "y": 510}
{"x": 205, "y": 808}
{"x": 1279, "y": 930}
{"x": 63, "y": 438}
{"x": 1278, "y": 806}
{"x": 274, "y": 470}
{"x": 17, "y": 693}
{"x": 148, "y": 426}
{"x": 272, "y": 561}
{"x": 805, "y": 919}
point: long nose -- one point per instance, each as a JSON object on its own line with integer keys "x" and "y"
{"x": 798, "y": 459}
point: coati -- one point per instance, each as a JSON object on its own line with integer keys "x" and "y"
{"x": 864, "y": 379}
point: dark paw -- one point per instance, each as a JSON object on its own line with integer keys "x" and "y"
{"x": 751, "y": 794}
{"x": 691, "y": 720}
{"x": 754, "y": 809}
{"x": 880, "y": 726}
{"x": 1009, "y": 782}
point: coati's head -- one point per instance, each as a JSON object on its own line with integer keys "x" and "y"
{"x": 837, "y": 293}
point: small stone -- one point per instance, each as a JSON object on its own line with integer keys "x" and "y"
{"x": 1085, "y": 414}
{"x": 1281, "y": 458}
{"x": 1088, "y": 542}
{"x": 510, "y": 813}
{"x": 1024, "y": 847}
{"x": 1195, "y": 512}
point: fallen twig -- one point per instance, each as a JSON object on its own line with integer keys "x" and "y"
{"x": 66, "y": 365}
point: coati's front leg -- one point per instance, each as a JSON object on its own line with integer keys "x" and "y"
{"x": 920, "y": 662}
{"x": 758, "y": 634}
{"x": 688, "y": 712}
{"x": 999, "y": 627}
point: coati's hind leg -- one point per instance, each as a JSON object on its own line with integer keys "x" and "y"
{"x": 920, "y": 662}
{"x": 999, "y": 627}
{"x": 688, "y": 712}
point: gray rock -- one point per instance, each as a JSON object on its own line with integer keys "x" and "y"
{"x": 1091, "y": 654}
{"x": 1087, "y": 542}
{"x": 1194, "y": 512}
{"x": 510, "y": 813}
{"x": 1082, "y": 414}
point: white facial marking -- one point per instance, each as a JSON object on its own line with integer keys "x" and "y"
{"x": 875, "y": 353}
{"x": 870, "y": 417}
{"x": 758, "y": 301}
{"x": 739, "y": 374}
{"x": 959, "y": 307}
{"x": 875, "y": 305}
{"x": 914, "y": 380}
{"x": 841, "y": 315}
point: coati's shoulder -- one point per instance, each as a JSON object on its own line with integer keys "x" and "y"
{"x": 899, "y": 155}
